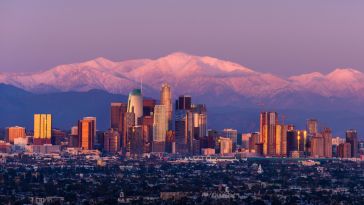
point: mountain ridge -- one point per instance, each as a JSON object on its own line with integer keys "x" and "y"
{"x": 187, "y": 74}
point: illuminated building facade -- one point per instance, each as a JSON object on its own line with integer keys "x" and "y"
{"x": 42, "y": 129}
{"x": 160, "y": 124}
{"x": 14, "y": 132}
{"x": 268, "y": 122}
{"x": 111, "y": 141}
{"x": 326, "y": 134}
{"x": 317, "y": 146}
{"x": 166, "y": 100}
{"x": 118, "y": 110}
{"x": 87, "y": 133}
{"x": 232, "y": 134}
{"x": 225, "y": 145}
{"x": 312, "y": 126}
{"x": 135, "y": 105}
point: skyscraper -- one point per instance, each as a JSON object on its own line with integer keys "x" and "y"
{"x": 326, "y": 134}
{"x": 148, "y": 133}
{"x": 317, "y": 146}
{"x": 87, "y": 133}
{"x": 135, "y": 105}
{"x": 199, "y": 120}
{"x": 279, "y": 130}
{"x": 118, "y": 110}
{"x": 352, "y": 138}
{"x": 148, "y": 107}
{"x": 184, "y": 102}
{"x": 296, "y": 142}
{"x": 136, "y": 141}
{"x": 42, "y": 129}
{"x": 231, "y": 134}
{"x": 160, "y": 124}
{"x": 126, "y": 137}
{"x": 312, "y": 126}
{"x": 13, "y": 133}
{"x": 344, "y": 150}
{"x": 112, "y": 141}
{"x": 225, "y": 145}
{"x": 268, "y": 122}
{"x": 166, "y": 100}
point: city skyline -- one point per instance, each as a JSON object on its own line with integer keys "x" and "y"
{"x": 181, "y": 102}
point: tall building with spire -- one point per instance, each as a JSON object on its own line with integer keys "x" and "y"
{"x": 135, "y": 105}
{"x": 166, "y": 100}
{"x": 42, "y": 129}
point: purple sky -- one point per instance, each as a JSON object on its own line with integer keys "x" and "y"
{"x": 283, "y": 37}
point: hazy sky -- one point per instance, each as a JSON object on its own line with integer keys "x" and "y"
{"x": 283, "y": 37}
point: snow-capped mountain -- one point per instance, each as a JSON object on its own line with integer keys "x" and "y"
{"x": 342, "y": 82}
{"x": 203, "y": 77}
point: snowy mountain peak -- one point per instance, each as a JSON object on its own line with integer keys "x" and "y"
{"x": 344, "y": 74}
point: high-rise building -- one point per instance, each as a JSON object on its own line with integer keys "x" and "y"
{"x": 58, "y": 137}
{"x": 268, "y": 122}
{"x": 136, "y": 141}
{"x": 344, "y": 150}
{"x": 278, "y": 146}
{"x": 129, "y": 122}
{"x": 190, "y": 124}
{"x": 147, "y": 133}
{"x": 225, "y": 145}
{"x": 253, "y": 141}
{"x": 135, "y": 105}
{"x": 180, "y": 131}
{"x": 284, "y": 129}
{"x": 74, "y": 130}
{"x": 296, "y": 142}
{"x": 245, "y": 140}
{"x": 118, "y": 110}
{"x": 87, "y": 133}
{"x": 95, "y": 140}
{"x": 166, "y": 100}
{"x": 231, "y": 134}
{"x": 148, "y": 107}
{"x": 170, "y": 145}
{"x": 112, "y": 141}
{"x": 326, "y": 134}
{"x": 184, "y": 102}
{"x": 42, "y": 129}
{"x": 312, "y": 126}
{"x": 160, "y": 124}
{"x": 183, "y": 106}
{"x": 352, "y": 138}
{"x": 199, "y": 120}
{"x": 317, "y": 146}
{"x": 13, "y": 133}
{"x": 160, "y": 127}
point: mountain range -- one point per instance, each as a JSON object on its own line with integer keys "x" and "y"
{"x": 223, "y": 85}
